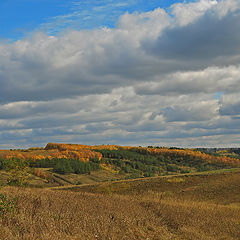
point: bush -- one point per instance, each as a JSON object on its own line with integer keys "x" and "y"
{"x": 19, "y": 171}
{"x": 149, "y": 174}
{"x": 7, "y": 206}
{"x": 1, "y": 164}
{"x": 172, "y": 168}
{"x": 184, "y": 171}
{"x": 203, "y": 168}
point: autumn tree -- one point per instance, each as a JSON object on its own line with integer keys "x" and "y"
{"x": 19, "y": 171}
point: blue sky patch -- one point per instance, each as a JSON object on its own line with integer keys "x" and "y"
{"x": 218, "y": 95}
{"x": 20, "y": 17}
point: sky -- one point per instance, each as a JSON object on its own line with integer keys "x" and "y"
{"x": 162, "y": 73}
{"x": 20, "y": 18}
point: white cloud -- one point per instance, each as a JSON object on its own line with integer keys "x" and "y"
{"x": 194, "y": 111}
{"x": 152, "y": 79}
{"x": 206, "y": 81}
{"x": 230, "y": 105}
{"x": 226, "y": 6}
{"x": 186, "y": 13}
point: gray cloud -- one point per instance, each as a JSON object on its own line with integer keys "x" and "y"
{"x": 201, "y": 111}
{"x": 204, "y": 40}
{"x": 231, "y": 109}
{"x": 151, "y": 80}
{"x": 230, "y": 105}
{"x": 209, "y": 80}
{"x": 88, "y": 62}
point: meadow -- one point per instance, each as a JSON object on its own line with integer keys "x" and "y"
{"x": 191, "y": 206}
{"x": 68, "y": 191}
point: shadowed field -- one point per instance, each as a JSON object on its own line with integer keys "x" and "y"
{"x": 221, "y": 186}
{"x": 204, "y": 206}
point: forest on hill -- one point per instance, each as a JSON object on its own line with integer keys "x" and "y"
{"x": 122, "y": 162}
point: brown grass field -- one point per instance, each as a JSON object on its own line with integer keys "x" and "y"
{"x": 204, "y": 206}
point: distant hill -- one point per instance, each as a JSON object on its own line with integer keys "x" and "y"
{"x": 86, "y": 164}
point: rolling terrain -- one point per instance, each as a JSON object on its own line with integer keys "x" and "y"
{"x": 75, "y": 164}
{"x": 69, "y": 191}
{"x": 197, "y": 206}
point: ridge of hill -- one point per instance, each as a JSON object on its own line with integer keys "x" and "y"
{"x": 86, "y": 152}
{"x": 81, "y": 164}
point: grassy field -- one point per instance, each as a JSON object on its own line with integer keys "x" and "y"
{"x": 221, "y": 186}
{"x": 204, "y": 206}
{"x": 54, "y": 179}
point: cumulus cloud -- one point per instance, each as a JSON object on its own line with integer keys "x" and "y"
{"x": 212, "y": 39}
{"x": 208, "y": 80}
{"x": 152, "y": 79}
{"x": 230, "y": 105}
{"x": 200, "y": 111}
{"x": 186, "y": 13}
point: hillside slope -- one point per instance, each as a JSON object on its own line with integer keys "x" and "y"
{"x": 202, "y": 207}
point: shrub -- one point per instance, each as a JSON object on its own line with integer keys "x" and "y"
{"x": 148, "y": 174}
{"x": 7, "y": 206}
{"x": 185, "y": 171}
{"x": 19, "y": 171}
{"x": 1, "y": 164}
{"x": 172, "y": 168}
{"x": 39, "y": 173}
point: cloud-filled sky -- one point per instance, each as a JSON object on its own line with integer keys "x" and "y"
{"x": 131, "y": 72}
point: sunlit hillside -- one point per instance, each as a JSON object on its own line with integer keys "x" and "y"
{"x": 83, "y": 164}
{"x": 71, "y": 191}
{"x": 86, "y": 152}
{"x": 203, "y": 207}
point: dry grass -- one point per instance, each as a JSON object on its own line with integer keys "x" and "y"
{"x": 220, "y": 187}
{"x": 45, "y": 214}
{"x": 43, "y": 177}
{"x": 161, "y": 210}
